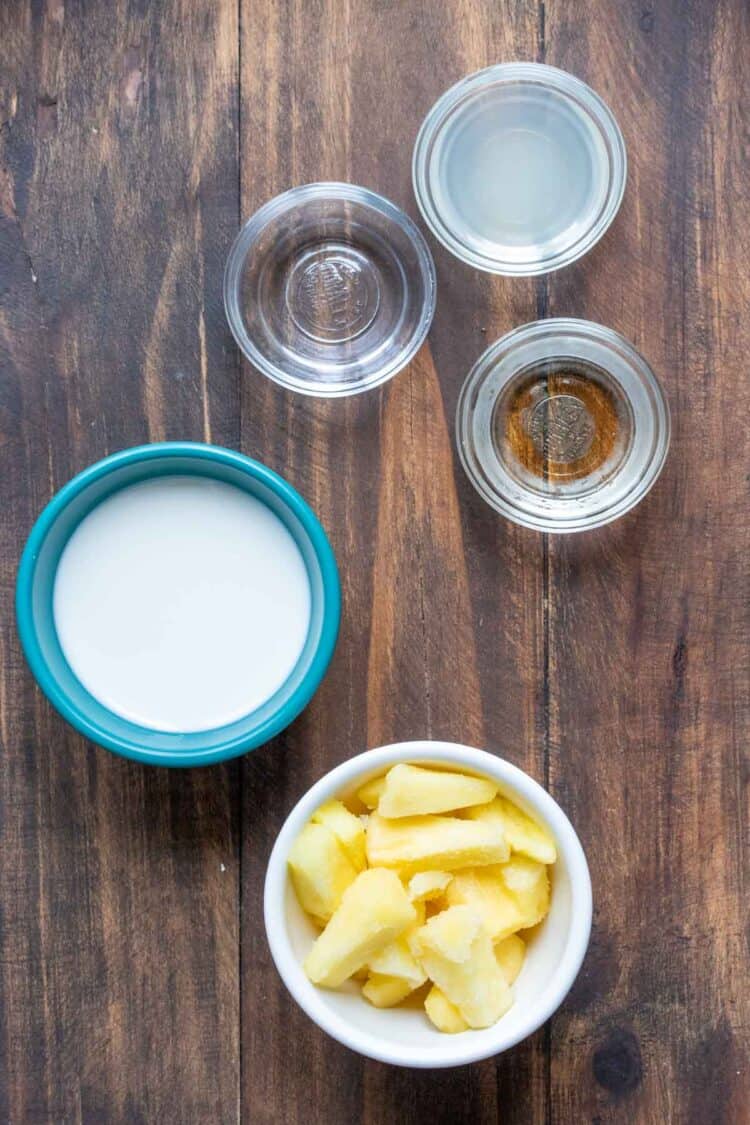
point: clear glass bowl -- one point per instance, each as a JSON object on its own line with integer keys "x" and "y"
{"x": 519, "y": 169}
{"x": 329, "y": 289}
{"x": 562, "y": 425}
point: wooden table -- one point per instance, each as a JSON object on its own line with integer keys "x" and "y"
{"x": 135, "y": 981}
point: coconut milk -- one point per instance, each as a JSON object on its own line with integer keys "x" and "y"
{"x": 182, "y": 603}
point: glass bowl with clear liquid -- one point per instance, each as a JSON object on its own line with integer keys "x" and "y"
{"x": 519, "y": 169}
{"x": 329, "y": 289}
{"x": 562, "y": 425}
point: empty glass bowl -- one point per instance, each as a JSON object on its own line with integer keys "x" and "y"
{"x": 329, "y": 289}
{"x": 562, "y": 425}
{"x": 519, "y": 168}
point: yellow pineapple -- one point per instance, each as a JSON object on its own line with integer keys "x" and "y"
{"x": 457, "y": 954}
{"x": 346, "y": 827}
{"x": 373, "y": 911}
{"x": 528, "y": 883}
{"x": 510, "y": 954}
{"x": 445, "y": 1016}
{"x": 369, "y": 793}
{"x": 385, "y": 992}
{"x": 423, "y": 843}
{"x": 397, "y": 961}
{"x": 320, "y": 870}
{"x": 484, "y": 891}
{"x": 522, "y": 833}
{"x": 415, "y": 791}
{"x": 428, "y": 885}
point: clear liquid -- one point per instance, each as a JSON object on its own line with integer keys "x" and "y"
{"x": 521, "y": 172}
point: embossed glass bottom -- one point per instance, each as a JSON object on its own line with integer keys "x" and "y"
{"x": 329, "y": 289}
{"x": 333, "y": 292}
{"x": 562, "y": 425}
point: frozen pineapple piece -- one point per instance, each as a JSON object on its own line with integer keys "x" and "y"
{"x": 385, "y": 992}
{"x": 442, "y": 1013}
{"x": 510, "y": 954}
{"x": 346, "y": 827}
{"x": 451, "y": 933}
{"x": 416, "y": 791}
{"x": 369, "y": 794}
{"x": 528, "y": 883}
{"x": 523, "y": 834}
{"x": 320, "y": 870}
{"x": 422, "y": 843}
{"x": 426, "y": 885}
{"x": 397, "y": 961}
{"x": 458, "y": 956}
{"x": 373, "y": 911}
{"x": 484, "y": 891}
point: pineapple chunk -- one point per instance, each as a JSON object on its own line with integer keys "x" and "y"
{"x": 346, "y": 827}
{"x": 522, "y": 833}
{"x": 451, "y": 933}
{"x": 420, "y": 843}
{"x": 373, "y": 911}
{"x": 320, "y": 870}
{"x": 385, "y": 992}
{"x": 442, "y": 1013}
{"x": 528, "y": 883}
{"x": 415, "y": 791}
{"x": 457, "y": 954}
{"x": 426, "y": 885}
{"x": 485, "y": 892}
{"x": 369, "y": 794}
{"x": 510, "y": 954}
{"x": 397, "y": 961}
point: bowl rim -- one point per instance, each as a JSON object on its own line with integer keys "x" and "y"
{"x": 548, "y": 331}
{"x": 454, "y": 1053}
{"x": 276, "y": 206}
{"x": 232, "y": 746}
{"x": 561, "y": 82}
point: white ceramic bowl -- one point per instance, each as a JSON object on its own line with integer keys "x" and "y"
{"x": 404, "y": 1036}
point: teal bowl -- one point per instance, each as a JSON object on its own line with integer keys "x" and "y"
{"x": 36, "y": 626}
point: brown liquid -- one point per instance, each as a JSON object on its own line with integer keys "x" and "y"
{"x": 560, "y": 424}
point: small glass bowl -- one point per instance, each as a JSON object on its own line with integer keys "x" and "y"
{"x": 562, "y": 425}
{"x": 329, "y": 289}
{"x": 519, "y": 169}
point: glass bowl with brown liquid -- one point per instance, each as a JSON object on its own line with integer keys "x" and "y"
{"x": 562, "y": 425}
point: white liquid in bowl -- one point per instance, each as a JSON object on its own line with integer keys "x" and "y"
{"x": 182, "y": 603}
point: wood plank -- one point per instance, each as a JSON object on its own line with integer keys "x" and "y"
{"x": 442, "y": 629}
{"x": 615, "y": 663}
{"x": 649, "y": 619}
{"x": 119, "y": 884}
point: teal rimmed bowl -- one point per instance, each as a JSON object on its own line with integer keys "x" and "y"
{"x": 36, "y": 626}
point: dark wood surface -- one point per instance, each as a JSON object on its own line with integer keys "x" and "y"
{"x": 135, "y": 981}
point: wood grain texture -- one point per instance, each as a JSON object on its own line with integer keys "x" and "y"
{"x": 119, "y": 982}
{"x": 646, "y": 715}
{"x": 135, "y": 980}
{"x": 437, "y": 595}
